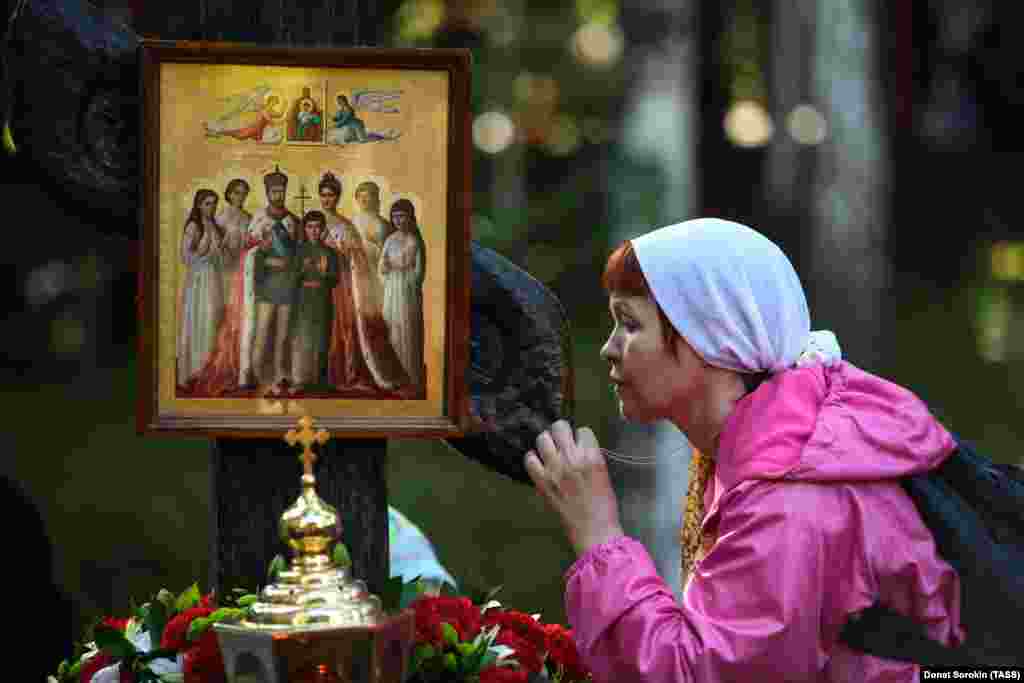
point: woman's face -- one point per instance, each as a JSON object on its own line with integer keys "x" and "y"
{"x": 237, "y": 197}
{"x": 401, "y": 219}
{"x": 648, "y": 379}
{"x": 328, "y": 198}
{"x": 314, "y": 229}
{"x": 367, "y": 202}
{"x": 207, "y": 206}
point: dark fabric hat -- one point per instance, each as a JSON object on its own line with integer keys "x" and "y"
{"x": 275, "y": 179}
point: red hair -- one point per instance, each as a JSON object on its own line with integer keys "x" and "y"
{"x": 623, "y": 275}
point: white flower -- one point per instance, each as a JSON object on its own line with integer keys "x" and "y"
{"x": 161, "y": 666}
{"x": 167, "y": 667}
{"x": 109, "y": 674}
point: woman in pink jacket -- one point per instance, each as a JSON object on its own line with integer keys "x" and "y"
{"x": 795, "y": 517}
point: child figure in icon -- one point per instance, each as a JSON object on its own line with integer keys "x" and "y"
{"x": 305, "y": 121}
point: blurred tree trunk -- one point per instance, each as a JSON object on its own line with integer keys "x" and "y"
{"x": 654, "y": 182}
{"x": 826, "y": 55}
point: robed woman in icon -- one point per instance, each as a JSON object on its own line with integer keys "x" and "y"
{"x": 402, "y": 268}
{"x": 360, "y": 355}
{"x": 202, "y": 296}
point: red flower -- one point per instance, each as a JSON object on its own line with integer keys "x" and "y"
{"x": 102, "y": 661}
{"x": 431, "y": 611}
{"x": 94, "y": 664}
{"x": 176, "y": 631}
{"x": 521, "y": 624}
{"x": 204, "y": 661}
{"x": 528, "y": 656}
{"x": 115, "y": 623}
{"x": 503, "y": 674}
{"x": 208, "y": 600}
{"x": 562, "y": 651}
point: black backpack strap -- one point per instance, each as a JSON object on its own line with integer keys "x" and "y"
{"x": 974, "y": 509}
{"x": 881, "y": 632}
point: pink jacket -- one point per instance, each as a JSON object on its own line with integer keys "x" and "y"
{"x": 811, "y": 526}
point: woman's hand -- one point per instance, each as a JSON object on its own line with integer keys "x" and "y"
{"x": 570, "y": 473}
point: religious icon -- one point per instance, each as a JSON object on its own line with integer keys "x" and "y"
{"x": 283, "y": 283}
{"x": 306, "y": 116}
{"x": 256, "y": 114}
{"x": 346, "y": 125}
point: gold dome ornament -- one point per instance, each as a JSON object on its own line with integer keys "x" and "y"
{"x": 316, "y": 619}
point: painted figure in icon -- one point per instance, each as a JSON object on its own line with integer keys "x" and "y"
{"x": 235, "y": 220}
{"x": 202, "y": 297}
{"x": 374, "y": 228}
{"x": 402, "y": 269}
{"x": 305, "y": 120}
{"x": 271, "y": 282}
{"x": 221, "y": 370}
{"x": 346, "y": 125}
{"x": 314, "y": 306}
{"x": 346, "y": 364}
{"x": 268, "y": 125}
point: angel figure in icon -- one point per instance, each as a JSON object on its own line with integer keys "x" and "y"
{"x": 347, "y": 127}
{"x": 236, "y": 121}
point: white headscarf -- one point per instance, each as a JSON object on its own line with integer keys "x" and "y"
{"x": 733, "y": 296}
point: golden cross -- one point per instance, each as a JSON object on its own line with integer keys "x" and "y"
{"x": 307, "y": 437}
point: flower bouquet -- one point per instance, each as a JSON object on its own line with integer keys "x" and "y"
{"x": 459, "y": 639}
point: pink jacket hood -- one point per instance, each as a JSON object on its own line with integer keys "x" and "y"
{"x": 795, "y": 427}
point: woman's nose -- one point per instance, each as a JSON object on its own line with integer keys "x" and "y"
{"x": 608, "y": 351}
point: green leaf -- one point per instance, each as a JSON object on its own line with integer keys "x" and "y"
{"x": 75, "y": 669}
{"x": 189, "y": 598}
{"x": 113, "y": 642}
{"x": 340, "y": 556}
{"x": 487, "y": 660}
{"x": 165, "y": 598}
{"x": 197, "y": 627}
{"x": 277, "y": 565}
{"x": 450, "y": 662}
{"x": 146, "y": 676}
{"x": 156, "y": 620}
{"x": 8, "y": 140}
{"x": 227, "y": 614}
{"x": 248, "y": 599}
{"x": 451, "y": 636}
{"x": 493, "y": 592}
{"x": 410, "y": 591}
{"x": 392, "y": 594}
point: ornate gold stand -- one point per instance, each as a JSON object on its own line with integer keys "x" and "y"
{"x": 316, "y": 623}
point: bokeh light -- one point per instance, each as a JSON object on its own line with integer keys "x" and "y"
{"x": 47, "y": 282}
{"x": 564, "y": 136}
{"x": 418, "y": 19}
{"x": 747, "y": 124}
{"x": 67, "y": 334}
{"x": 597, "y": 11}
{"x": 493, "y": 132}
{"x": 1007, "y": 261}
{"x": 598, "y": 45}
{"x": 806, "y": 125}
